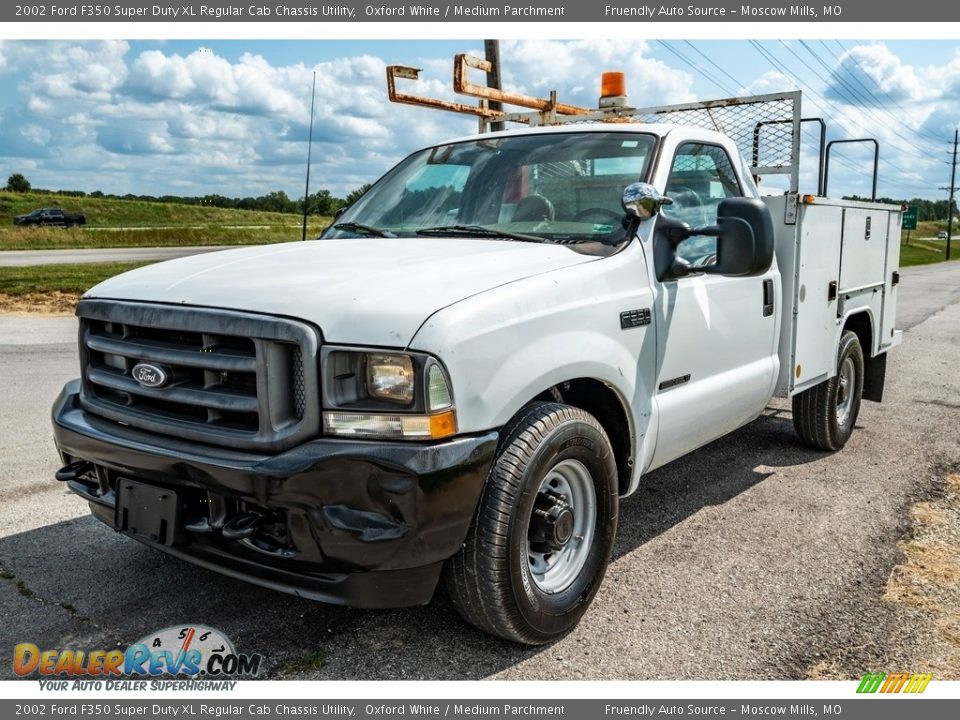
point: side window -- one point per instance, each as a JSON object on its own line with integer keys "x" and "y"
{"x": 701, "y": 177}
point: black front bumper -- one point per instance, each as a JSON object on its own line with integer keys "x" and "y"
{"x": 366, "y": 524}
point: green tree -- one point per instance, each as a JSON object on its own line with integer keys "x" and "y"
{"x": 323, "y": 203}
{"x": 276, "y": 201}
{"x": 356, "y": 194}
{"x": 18, "y": 183}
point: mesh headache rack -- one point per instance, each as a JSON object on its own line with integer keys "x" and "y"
{"x": 766, "y": 128}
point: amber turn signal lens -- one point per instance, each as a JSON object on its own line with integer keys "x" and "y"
{"x": 443, "y": 425}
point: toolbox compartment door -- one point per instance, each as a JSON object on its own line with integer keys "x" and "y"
{"x": 864, "y": 255}
{"x": 815, "y": 304}
{"x": 891, "y": 282}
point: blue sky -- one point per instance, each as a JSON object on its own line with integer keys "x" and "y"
{"x": 231, "y": 116}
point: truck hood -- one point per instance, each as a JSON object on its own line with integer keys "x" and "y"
{"x": 373, "y": 291}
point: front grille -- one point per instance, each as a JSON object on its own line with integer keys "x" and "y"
{"x": 231, "y": 378}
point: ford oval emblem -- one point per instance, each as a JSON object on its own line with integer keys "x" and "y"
{"x": 149, "y": 375}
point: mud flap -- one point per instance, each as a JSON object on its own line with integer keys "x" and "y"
{"x": 874, "y": 376}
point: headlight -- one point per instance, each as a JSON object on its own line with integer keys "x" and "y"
{"x": 386, "y": 395}
{"x": 390, "y": 377}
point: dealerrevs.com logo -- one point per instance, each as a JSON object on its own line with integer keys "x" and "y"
{"x": 186, "y": 651}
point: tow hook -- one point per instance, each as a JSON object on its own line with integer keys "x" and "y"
{"x": 74, "y": 471}
{"x": 242, "y": 526}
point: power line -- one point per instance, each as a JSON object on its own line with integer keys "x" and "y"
{"x": 849, "y": 98}
{"x": 866, "y": 97}
{"x": 700, "y": 69}
{"x": 812, "y": 144}
{"x": 851, "y": 56}
{"x": 697, "y": 68}
{"x": 717, "y": 66}
{"x": 812, "y": 96}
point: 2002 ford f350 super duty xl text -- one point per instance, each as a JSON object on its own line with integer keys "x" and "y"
{"x": 460, "y": 380}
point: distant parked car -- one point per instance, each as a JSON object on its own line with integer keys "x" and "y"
{"x": 51, "y": 216}
{"x": 942, "y": 235}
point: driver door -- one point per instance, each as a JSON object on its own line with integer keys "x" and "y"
{"x": 716, "y": 335}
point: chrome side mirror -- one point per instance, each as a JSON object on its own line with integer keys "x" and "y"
{"x": 643, "y": 200}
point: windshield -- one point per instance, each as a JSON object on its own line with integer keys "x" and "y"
{"x": 561, "y": 187}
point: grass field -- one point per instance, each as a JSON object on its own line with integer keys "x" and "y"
{"x": 134, "y": 223}
{"x": 930, "y": 229}
{"x": 66, "y": 239}
{"x": 61, "y": 278}
{"x": 106, "y": 212}
{"x": 927, "y": 250}
{"x": 53, "y": 288}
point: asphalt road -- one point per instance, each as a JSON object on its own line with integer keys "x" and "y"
{"x": 23, "y": 258}
{"x": 751, "y": 558}
{"x": 926, "y": 289}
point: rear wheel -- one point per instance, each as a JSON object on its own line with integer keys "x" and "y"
{"x": 541, "y": 539}
{"x": 824, "y": 415}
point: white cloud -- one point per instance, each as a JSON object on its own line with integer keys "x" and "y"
{"x": 135, "y": 141}
{"x": 35, "y": 134}
{"x": 204, "y": 125}
{"x": 573, "y": 68}
{"x": 875, "y": 69}
{"x": 770, "y": 82}
{"x": 250, "y": 86}
{"x": 61, "y": 69}
{"x": 910, "y": 109}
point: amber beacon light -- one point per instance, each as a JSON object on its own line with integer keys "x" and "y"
{"x": 613, "y": 89}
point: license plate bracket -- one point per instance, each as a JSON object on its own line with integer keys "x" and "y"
{"x": 147, "y": 512}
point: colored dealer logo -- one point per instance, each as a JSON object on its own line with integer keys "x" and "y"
{"x": 150, "y": 375}
{"x": 191, "y": 651}
{"x": 894, "y": 683}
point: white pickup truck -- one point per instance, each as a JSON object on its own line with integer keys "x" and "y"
{"x": 463, "y": 376}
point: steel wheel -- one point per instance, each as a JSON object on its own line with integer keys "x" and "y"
{"x": 561, "y": 527}
{"x": 825, "y": 415}
{"x": 540, "y": 542}
{"x": 846, "y": 382}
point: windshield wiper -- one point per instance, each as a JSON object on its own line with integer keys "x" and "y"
{"x": 479, "y": 231}
{"x": 368, "y": 229}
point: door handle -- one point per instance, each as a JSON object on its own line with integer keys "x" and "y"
{"x": 767, "y": 297}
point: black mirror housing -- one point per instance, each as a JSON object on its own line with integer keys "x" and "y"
{"x": 745, "y": 241}
{"x": 745, "y": 238}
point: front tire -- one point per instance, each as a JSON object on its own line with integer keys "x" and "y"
{"x": 824, "y": 415}
{"x": 542, "y": 535}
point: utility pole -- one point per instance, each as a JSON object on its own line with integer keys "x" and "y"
{"x": 306, "y": 192}
{"x": 491, "y": 49}
{"x": 953, "y": 189}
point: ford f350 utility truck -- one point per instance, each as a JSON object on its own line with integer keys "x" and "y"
{"x": 463, "y": 376}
